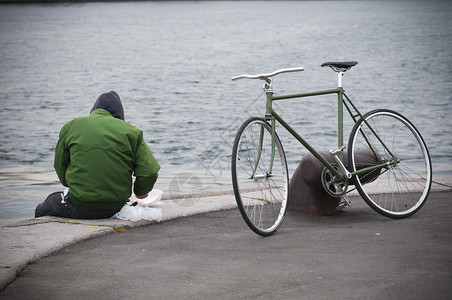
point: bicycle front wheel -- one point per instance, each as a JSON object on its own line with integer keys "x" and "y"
{"x": 400, "y": 187}
{"x": 261, "y": 184}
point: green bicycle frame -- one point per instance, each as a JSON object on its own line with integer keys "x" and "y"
{"x": 342, "y": 100}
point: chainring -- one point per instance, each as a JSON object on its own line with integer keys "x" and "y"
{"x": 333, "y": 188}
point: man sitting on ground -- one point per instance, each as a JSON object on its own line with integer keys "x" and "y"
{"x": 95, "y": 158}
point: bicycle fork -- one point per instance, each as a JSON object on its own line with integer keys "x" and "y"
{"x": 259, "y": 153}
{"x": 268, "y": 116}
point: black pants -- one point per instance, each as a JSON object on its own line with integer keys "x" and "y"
{"x": 59, "y": 206}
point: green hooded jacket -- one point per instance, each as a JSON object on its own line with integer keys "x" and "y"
{"x": 96, "y": 157}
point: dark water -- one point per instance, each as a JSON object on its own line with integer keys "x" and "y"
{"x": 171, "y": 63}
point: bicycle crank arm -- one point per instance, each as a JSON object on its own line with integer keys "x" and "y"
{"x": 335, "y": 154}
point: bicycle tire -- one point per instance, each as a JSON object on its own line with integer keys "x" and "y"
{"x": 396, "y": 190}
{"x": 261, "y": 196}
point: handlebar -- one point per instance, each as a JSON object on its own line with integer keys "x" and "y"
{"x": 267, "y": 76}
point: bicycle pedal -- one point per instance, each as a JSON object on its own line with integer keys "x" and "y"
{"x": 335, "y": 152}
{"x": 345, "y": 202}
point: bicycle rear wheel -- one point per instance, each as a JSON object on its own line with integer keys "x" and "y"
{"x": 261, "y": 193}
{"x": 401, "y": 187}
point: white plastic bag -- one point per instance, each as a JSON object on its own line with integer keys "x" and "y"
{"x": 140, "y": 210}
{"x": 152, "y": 199}
{"x": 136, "y": 213}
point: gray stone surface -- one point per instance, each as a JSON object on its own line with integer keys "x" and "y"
{"x": 357, "y": 254}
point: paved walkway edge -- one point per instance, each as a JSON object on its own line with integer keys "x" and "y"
{"x": 24, "y": 242}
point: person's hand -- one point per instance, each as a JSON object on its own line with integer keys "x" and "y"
{"x": 142, "y": 196}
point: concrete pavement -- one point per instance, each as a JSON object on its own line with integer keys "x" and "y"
{"x": 25, "y": 242}
{"x": 355, "y": 255}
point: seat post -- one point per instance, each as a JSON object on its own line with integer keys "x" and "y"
{"x": 339, "y": 78}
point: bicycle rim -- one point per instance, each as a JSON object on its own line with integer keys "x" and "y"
{"x": 261, "y": 195}
{"x": 401, "y": 187}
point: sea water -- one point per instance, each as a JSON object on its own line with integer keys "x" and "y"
{"x": 171, "y": 63}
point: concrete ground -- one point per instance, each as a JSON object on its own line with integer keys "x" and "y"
{"x": 357, "y": 254}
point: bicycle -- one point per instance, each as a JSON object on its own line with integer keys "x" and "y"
{"x": 388, "y": 160}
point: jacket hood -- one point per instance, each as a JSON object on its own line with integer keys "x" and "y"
{"x": 110, "y": 102}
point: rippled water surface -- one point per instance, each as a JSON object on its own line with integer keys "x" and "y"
{"x": 171, "y": 63}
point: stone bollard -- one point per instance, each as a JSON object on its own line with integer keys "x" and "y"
{"x": 306, "y": 192}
